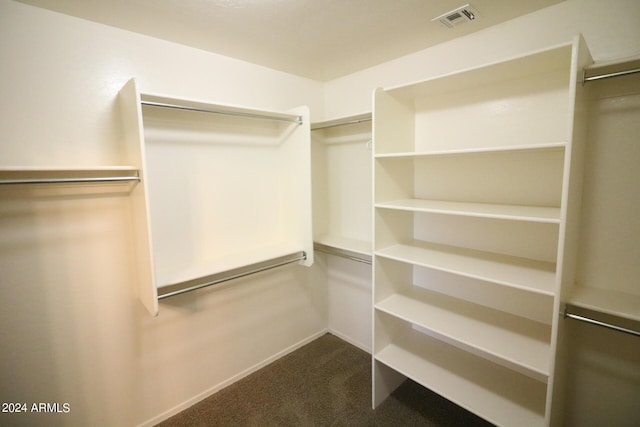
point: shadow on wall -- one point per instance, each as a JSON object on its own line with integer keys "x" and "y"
{"x": 65, "y": 299}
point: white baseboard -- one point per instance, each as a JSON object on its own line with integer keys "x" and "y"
{"x": 201, "y": 396}
{"x": 350, "y": 340}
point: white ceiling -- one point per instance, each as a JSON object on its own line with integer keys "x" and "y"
{"x": 319, "y": 39}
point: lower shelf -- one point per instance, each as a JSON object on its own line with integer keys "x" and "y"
{"x": 497, "y": 394}
{"x": 511, "y": 341}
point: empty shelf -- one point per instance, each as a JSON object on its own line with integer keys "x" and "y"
{"x": 522, "y": 273}
{"x": 483, "y": 210}
{"x": 473, "y": 150}
{"x": 499, "y": 395}
{"x": 620, "y": 304}
{"x": 514, "y": 342}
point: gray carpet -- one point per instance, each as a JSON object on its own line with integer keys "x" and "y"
{"x": 325, "y": 383}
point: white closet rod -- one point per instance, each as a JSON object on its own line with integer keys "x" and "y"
{"x": 236, "y": 273}
{"x": 599, "y": 323}
{"x": 297, "y": 120}
{"x": 69, "y": 180}
{"x": 341, "y": 253}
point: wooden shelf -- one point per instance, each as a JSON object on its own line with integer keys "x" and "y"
{"x": 482, "y": 210}
{"x": 511, "y": 341}
{"x": 620, "y": 304}
{"x": 499, "y": 395}
{"x": 521, "y": 273}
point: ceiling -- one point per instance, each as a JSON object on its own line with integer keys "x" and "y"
{"x": 318, "y": 39}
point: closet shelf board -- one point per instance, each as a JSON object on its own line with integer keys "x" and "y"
{"x": 70, "y": 169}
{"x": 342, "y": 121}
{"x": 538, "y": 62}
{"x": 65, "y": 176}
{"x": 620, "y": 304}
{"x": 511, "y": 341}
{"x": 346, "y": 243}
{"x": 219, "y": 108}
{"x": 491, "y": 391}
{"x": 221, "y": 264}
{"x": 551, "y": 146}
{"x": 483, "y": 210}
{"x": 522, "y": 273}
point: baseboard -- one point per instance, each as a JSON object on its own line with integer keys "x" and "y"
{"x": 201, "y": 396}
{"x": 350, "y": 340}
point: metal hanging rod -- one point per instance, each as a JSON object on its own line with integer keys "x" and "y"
{"x": 342, "y": 122}
{"x": 225, "y": 276}
{"x": 591, "y": 321}
{"x": 611, "y": 70}
{"x": 69, "y": 180}
{"x": 609, "y": 75}
{"x": 297, "y": 119}
{"x": 342, "y": 253}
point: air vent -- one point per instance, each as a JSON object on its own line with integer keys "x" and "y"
{"x": 458, "y": 16}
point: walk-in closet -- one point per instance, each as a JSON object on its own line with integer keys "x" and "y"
{"x": 308, "y": 213}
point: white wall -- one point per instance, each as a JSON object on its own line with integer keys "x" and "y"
{"x": 71, "y": 330}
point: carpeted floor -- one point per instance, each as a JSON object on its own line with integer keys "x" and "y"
{"x": 325, "y": 383}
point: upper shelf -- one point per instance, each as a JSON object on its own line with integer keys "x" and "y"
{"x": 543, "y": 61}
{"x": 612, "y": 69}
{"x": 163, "y": 101}
{"x": 475, "y": 150}
{"x": 357, "y": 246}
{"x": 351, "y": 120}
{"x": 620, "y": 304}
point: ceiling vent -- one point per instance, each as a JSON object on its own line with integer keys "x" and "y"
{"x": 458, "y": 16}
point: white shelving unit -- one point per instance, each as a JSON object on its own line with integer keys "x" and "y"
{"x": 222, "y": 187}
{"x": 477, "y": 179}
{"x": 342, "y": 184}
